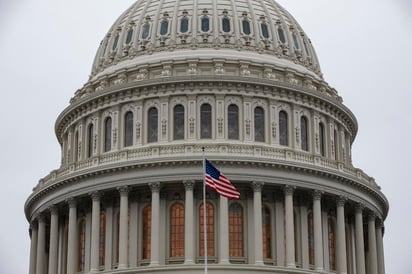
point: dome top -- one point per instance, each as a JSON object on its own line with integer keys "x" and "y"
{"x": 196, "y": 27}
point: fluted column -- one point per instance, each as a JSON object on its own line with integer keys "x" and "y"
{"x": 33, "y": 248}
{"x": 379, "y": 247}
{"x": 189, "y": 224}
{"x": 224, "y": 231}
{"x": 341, "y": 239}
{"x": 154, "y": 253}
{"x": 359, "y": 241}
{"x": 373, "y": 258}
{"x": 41, "y": 243}
{"x": 95, "y": 237}
{"x": 317, "y": 230}
{"x": 72, "y": 240}
{"x": 289, "y": 227}
{"x": 123, "y": 227}
{"x": 54, "y": 240}
{"x": 257, "y": 214}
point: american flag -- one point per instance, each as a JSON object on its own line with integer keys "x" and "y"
{"x": 217, "y": 181}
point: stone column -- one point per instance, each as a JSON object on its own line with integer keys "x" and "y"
{"x": 280, "y": 229}
{"x": 317, "y": 230}
{"x": 154, "y": 253}
{"x": 289, "y": 227}
{"x": 379, "y": 247}
{"x": 341, "y": 239}
{"x": 257, "y": 214}
{"x": 54, "y": 240}
{"x": 373, "y": 258}
{"x": 123, "y": 227}
{"x": 41, "y": 243}
{"x": 189, "y": 224}
{"x": 359, "y": 241}
{"x": 33, "y": 248}
{"x": 224, "y": 231}
{"x": 72, "y": 240}
{"x": 95, "y": 237}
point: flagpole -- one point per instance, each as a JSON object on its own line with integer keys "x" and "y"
{"x": 204, "y": 209}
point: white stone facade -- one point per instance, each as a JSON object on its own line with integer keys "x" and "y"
{"x": 132, "y": 140}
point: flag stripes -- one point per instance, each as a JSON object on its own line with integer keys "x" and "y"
{"x": 215, "y": 180}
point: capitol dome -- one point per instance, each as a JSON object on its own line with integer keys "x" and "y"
{"x": 237, "y": 82}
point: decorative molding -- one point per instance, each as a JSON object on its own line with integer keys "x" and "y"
{"x": 257, "y": 186}
{"x": 154, "y": 186}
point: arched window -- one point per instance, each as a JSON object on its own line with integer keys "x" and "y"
{"x": 107, "y": 134}
{"x": 129, "y": 36}
{"x": 335, "y": 143}
{"x": 233, "y": 122}
{"x": 295, "y": 40}
{"x": 311, "y": 240}
{"x": 81, "y": 246}
{"x": 283, "y": 128}
{"x": 184, "y": 25}
{"x": 102, "y": 239}
{"x": 205, "y": 26}
{"x": 322, "y": 139}
{"x": 205, "y": 121}
{"x": 146, "y": 232}
{"x": 266, "y": 233}
{"x": 178, "y": 122}
{"x": 304, "y": 133}
{"x": 210, "y": 223}
{"x": 128, "y": 129}
{"x": 281, "y": 34}
{"x": 152, "y": 125}
{"x": 236, "y": 230}
{"x": 246, "y": 26}
{"x": 225, "y": 24}
{"x": 145, "y": 30}
{"x": 259, "y": 124}
{"x": 164, "y": 27}
{"x": 116, "y": 41}
{"x": 331, "y": 243}
{"x": 76, "y": 146}
{"x": 90, "y": 140}
{"x": 265, "y": 30}
{"x": 177, "y": 230}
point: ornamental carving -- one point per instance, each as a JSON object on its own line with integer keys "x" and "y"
{"x": 154, "y": 186}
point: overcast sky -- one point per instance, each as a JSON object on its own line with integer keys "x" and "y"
{"x": 46, "y": 52}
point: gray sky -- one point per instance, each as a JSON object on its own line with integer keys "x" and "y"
{"x": 46, "y": 52}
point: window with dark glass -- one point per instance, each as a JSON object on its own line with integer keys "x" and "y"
{"x": 146, "y": 232}
{"x": 259, "y": 124}
{"x": 322, "y": 139}
{"x": 304, "y": 133}
{"x": 128, "y": 129}
{"x": 225, "y": 24}
{"x": 145, "y": 30}
{"x": 210, "y": 223}
{"x": 265, "y": 30}
{"x": 178, "y": 122}
{"x": 129, "y": 36}
{"x": 164, "y": 27}
{"x": 184, "y": 25}
{"x": 177, "y": 230}
{"x": 102, "y": 238}
{"x": 90, "y": 140}
{"x": 116, "y": 40}
{"x": 205, "y": 24}
{"x": 205, "y": 121}
{"x": 331, "y": 243}
{"x": 152, "y": 125}
{"x": 81, "y": 254}
{"x": 311, "y": 240}
{"x": 281, "y": 34}
{"x": 236, "y": 230}
{"x": 266, "y": 233}
{"x": 233, "y": 122}
{"x": 246, "y": 26}
{"x": 283, "y": 128}
{"x": 295, "y": 40}
{"x": 107, "y": 134}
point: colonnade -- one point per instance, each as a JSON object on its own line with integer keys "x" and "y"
{"x": 52, "y": 261}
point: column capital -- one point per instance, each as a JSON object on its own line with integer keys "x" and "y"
{"x": 341, "y": 200}
{"x": 317, "y": 195}
{"x": 257, "y": 186}
{"x": 40, "y": 217}
{"x": 72, "y": 202}
{"x": 288, "y": 189}
{"x": 123, "y": 190}
{"x": 189, "y": 184}
{"x": 95, "y": 195}
{"x": 359, "y": 207}
{"x": 154, "y": 186}
{"x": 372, "y": 216}
{"x": 53, "y": 209}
